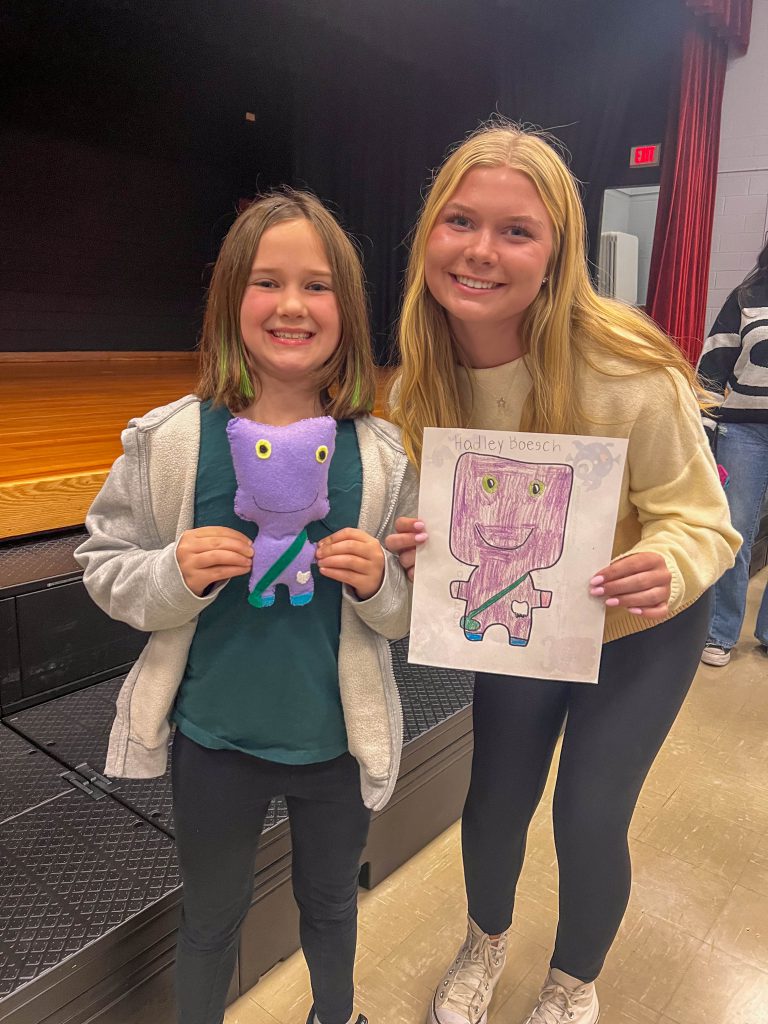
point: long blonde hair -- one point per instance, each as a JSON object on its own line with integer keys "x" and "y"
{"x": 566, "y": 323}
{"x": 347, "y": 381}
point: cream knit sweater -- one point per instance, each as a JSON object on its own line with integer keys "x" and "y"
{"x": 671, "y": 499}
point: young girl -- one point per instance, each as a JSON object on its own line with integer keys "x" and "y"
{"x": 502, "y": 329}
{"x": 273, "y": 699}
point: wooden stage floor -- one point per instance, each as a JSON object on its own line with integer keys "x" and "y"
{"x": 60, "y": 424}
{"x": 61, "y": 415}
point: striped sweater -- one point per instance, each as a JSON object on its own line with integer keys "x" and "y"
{"x": 734, "y": 360}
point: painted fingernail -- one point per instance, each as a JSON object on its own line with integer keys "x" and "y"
{"x": 612, "y": 602}
{"x": 419, "y": 526}
{"x": 597, "y": 580}
{"x": 636, "y": 611}
{"x": 420, "y": 538}
{"x": 597, "y": 591}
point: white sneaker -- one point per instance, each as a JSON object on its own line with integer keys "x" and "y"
{"x": 462, "y": 997}
{"x": 714, "y": 654}
{"x": 560, "y": 1005}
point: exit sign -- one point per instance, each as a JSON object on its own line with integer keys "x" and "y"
{"x": 645, "y": 156}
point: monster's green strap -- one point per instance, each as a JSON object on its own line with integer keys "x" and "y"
{"x": 277, "y": 567}
{"x": 469, "y": 621}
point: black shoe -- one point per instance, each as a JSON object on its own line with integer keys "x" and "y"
{"x": 360, "y": 1018}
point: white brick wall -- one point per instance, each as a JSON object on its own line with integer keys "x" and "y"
{"x": 741, "y": 206}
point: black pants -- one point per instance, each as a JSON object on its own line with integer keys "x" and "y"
{"x": 612, "y": 735}
{"x": 220, "y": 800}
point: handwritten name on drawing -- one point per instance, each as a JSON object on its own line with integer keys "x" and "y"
{"x": 512, "y": 443}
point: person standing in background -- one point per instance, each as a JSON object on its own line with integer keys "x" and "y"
{"x": 734, "y": 363}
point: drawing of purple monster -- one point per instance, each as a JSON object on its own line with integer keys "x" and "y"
{"x": 508, "y": 519}
{"x": 282, "y": 486}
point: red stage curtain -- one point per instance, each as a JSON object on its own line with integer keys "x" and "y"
{"x": 729, "y": 19}
{"x": 677, "y": 286}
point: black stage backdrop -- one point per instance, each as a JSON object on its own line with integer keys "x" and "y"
{"x": 125, "y": 147}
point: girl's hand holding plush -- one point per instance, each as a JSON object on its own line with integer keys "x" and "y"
{"x": 641, "y": 583}
{"x": 353, "y": 557}
{"x": 211, "y": 554}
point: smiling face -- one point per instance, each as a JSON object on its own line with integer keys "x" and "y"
{"x": 500, "y": 504}
{"x": 282, "y": 472}
{"x": 488, "y": 253}
{"x": 289, "y": 317}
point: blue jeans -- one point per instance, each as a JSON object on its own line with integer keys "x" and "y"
{"x": 743, "y": 449}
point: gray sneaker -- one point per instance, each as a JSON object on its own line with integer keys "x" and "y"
{"x": 560, "y": 1005}
{"x": 714, "y": 654}
{"x": 462, "y": 997}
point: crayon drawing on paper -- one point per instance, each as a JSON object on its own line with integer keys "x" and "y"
{"x": 517, "y": 525}
{"x": 507, "y": 518}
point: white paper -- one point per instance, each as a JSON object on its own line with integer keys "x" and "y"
{"x": 518, "y": 524}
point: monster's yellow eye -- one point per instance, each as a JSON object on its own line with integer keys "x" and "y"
{"x": 536, "y": 489}
{"x": 322, "y": 453}
{"x": 490, "y": 484}
{"x": 263, "y": 449}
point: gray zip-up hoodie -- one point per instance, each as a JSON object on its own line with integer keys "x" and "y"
{"x": 131, "y": 572}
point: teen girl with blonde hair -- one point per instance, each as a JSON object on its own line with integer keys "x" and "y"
{"x": 273, "y": 700}
{"x": 501, "y": 328}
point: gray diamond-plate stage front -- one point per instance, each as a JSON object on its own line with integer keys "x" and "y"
{"x": 80, "y": 873}
{"x": 71, "y": 869}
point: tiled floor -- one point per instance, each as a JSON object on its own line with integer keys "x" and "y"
{"x": 693, "y": 948}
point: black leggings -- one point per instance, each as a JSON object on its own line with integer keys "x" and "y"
{"x": 612, "y": 735}
{"x": 220, "y": 798}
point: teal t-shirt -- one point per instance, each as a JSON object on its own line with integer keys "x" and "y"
{"x": 266, "y": 680}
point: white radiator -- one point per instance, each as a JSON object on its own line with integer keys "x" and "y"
{"x": 617, "y": 276}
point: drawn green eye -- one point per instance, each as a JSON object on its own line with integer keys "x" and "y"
{"x": 322, "y": 453}
{"x": 536, "y": 489}
{"x": 490, "y": 484}
{"x": 263, "y": 449}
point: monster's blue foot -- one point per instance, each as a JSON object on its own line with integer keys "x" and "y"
{"x": 473, "y": 636}
{"x": 517, "y": 641}
{"x": 261, "y": 600}
{"x": 299, "y": 599}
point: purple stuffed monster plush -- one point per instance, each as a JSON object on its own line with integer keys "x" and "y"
{"x": 282, "y": 486}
